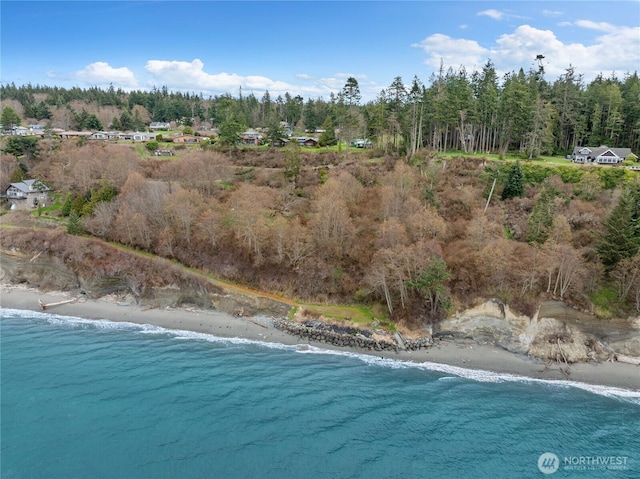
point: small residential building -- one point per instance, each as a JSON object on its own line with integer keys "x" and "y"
{"x": 67, "y": 135}
{"x": 188, "y": 139}
{"x": 362, "y": 143}
{"x": 99, "y": 135}
{"x": 602, "y": 155}
{"x": 27, "y": 194}
{"x": 20, "y": 131}
{"x": 308, "y": 141}
{"x": 159, "y": 125}
{"x": 143, "y": 136}
{"x": 251, "y": 137}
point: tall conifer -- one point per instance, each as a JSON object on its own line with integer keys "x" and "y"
{"x": 515, "y": 183}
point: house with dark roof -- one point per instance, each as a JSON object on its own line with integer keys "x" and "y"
{"x": 27, "y": 194}
{"x": 602, "y": 155}
{"x": 308, "y": 141}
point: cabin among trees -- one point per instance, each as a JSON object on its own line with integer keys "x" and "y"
{"x": 252, "y": 137}
{"x": 308, "y": 142}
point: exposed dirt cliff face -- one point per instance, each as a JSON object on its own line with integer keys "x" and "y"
{"x": 555, "y": 332}
{"x": 162, "y": 287}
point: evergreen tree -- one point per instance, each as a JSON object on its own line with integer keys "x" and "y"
{"x": 74, "y": 225}
{"x": 26, "y": 146}
{"x": 328, "y": 136}
{"x": 515, "y": 183}
{"x": 275, "y": 131}
{"x": 351, "y": 92}
{"x": 229, "y": 133}
{"x": 93, "y": 123}
{"x": 293, "y": 109}
{"x": 541, "y": 218}
{"x": 42, "y": 111}
{"x": 67, "y": 206}
{"x": 9, "y": 118}
{"x": 566, "y": 97}
{"x": 431, "y": 284}
{"x": 310, "y": 116}
{"x": 631, "y": 111}
{"x": 621, "y": 236}
{"x": 18, "y": 175}
{"x": 515, "y": 107}
{"x": 396, "y": 98}
{"x": 136, "y": 123}
{"x": 486, "y": 92}
{"x": 292, "y": 163}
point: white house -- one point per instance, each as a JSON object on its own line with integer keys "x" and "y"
{"x": 20, "y": 131}
{"x": 159, "y": 125}
{"x": 602, "y": 155}
{"x": 99, "y": 135}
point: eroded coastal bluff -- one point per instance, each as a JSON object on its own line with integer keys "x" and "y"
{"x": 556, "y": 332}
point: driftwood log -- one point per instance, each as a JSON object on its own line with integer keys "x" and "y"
{"x": 44, "y": 306}
{"x": 621, "y": 358}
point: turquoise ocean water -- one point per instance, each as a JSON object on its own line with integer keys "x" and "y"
{"x": 99, "y": 399}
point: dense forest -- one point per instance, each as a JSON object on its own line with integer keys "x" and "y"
{"x": 477, "y": 112}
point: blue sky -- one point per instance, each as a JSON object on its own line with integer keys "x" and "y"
{"x": 306, "y": 48}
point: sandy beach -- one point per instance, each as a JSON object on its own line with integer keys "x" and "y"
{"x": 468, "y": 355}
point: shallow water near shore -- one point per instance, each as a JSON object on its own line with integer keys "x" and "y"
{"x": 100, "y": 399}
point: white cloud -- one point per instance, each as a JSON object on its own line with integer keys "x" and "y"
{"x": 551, "y": 13}
{"x": 618, "y": 50}
{"x": 601, "y": 26}
{"x": 492, "y": 13}
{"x": 453, "y": 52}
{"x": 191, "y": 75}
{"x": 497, "y": 14}
{"x": 522, "y": 46}
{"x": 101, "y": 73}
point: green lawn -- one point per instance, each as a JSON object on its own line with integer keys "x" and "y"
{"x": 543, "y": 160}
